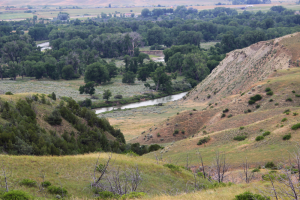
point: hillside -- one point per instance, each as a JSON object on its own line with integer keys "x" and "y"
{"x": 270, "y": 65}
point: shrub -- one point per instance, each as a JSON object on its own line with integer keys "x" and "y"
{"x": 203, "y": 140}
{"x": 297, "y": 95}
{"x": 258, "y": 138}
{"x": 241, "y": 128}
{"x": 294, "y": 91}
{"x": 270, "y": 93}
{"x": 133, "y": 195}
{"x": 226, "y": 110}
{"x": 107, "y": 195}
{"x": 270, "y": 165}
{"x": 176, "y": 132}
{"x": 289, "y": 99}
{"x": 271, "y": 100}
{"x": 223, "y": 115}
{"x": 57, "y": 190}
{"x": 249, "y": 110}
{"x": 194, "y": 109}
{"x": 257, "y": 106}
{"x": 268, "y": 89}
{"x": 250, "y": 196}
{"x": 256, "y": 97}
{"x": 9, "y": 93}
{"x": 266, "y": 133}
{"x": 191, "y": 113}
{"x": 296, "y": 126}
{"x": 183, "y": 131}
{"x": 295, "y": 114}
{"x": 28, "y": 182}
{"x": 154, "y": 147}
{"x": 54, "y": 118}
{"x": 276, "y": 104}
{"x": 284, "y": 119}
{"x": 240, "y": 137}
{"x": 256, "y": 170}
{"x": 287, "y": 137}
{"x": 287, "y": 111}
{"x": 158, "y": 135}
{"x": 46, "y": 184}
{"x": 250, "y": 102}
{"x": 230, "y": 115}
{"x": 173, "y": 168}
{"x": 16, "y": 195}
{"x": 118, "y": 96}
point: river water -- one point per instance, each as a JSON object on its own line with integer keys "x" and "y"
{"x": 144, "y": 103}
{"x": 44, "y": 46}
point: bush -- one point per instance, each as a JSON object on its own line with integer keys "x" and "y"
{"x": 295, "y": 114}
{"x": 16, "y": 195}
{"x": 271, "y": 100}
{"x": 258, "y": 138}
{"x": 223, "y": 115}
{"x": 226, "y": 110}
{"x": 289, "y": 99}
{"x": 256, "y": 170}
{"x": 250, "y": 102}
{"x": 28, "y": 183}
{"x": 257, "y": 106}
{"x": 294, "y": 91}
{"x": 194, "y": 109}
{"x": 57, "y": 190}
{"x": 154, "y": 147}
{"x": 133, "y": 195}
{"x": 270, "y": 93}
{"x": 287, "y": 137}
{"x": 284, "y": 119}
{"x": 46, "y": 184}
{"x": 54, "y": 118}
{"x": 118, "y": 96}
{"x": 266, "y": 133}
{"x": 158, "y": 135}
{"x": 176, "y": 132}
{"x": 183, "y": 131}
{"x": 256, "y": 97}
{"x": 107, "y": 195}
{"x": 241, "y": 128}
{"x": 173, "y": 168}
{"x": 268, "y": 89}
{"x": 9, "y": 93}
{"x": 250, "y": 196}
{"x": 203, "y": 140}
{"x": 296, "y": 126}
{"x": 287, "y": 111}
{"x": 240, "y": 137}
{"x": 270, "y": 165}
{"x": 297, "y": 95}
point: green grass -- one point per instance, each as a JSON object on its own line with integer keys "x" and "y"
{"x": 7, "y": 16}
{"x": 74, "y": 173}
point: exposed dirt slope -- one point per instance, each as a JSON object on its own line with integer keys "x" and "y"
{"x": 241, "y": 75}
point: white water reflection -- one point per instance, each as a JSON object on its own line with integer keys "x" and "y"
{"x": 144, "y": 103}
{"x": 44, "y": 46}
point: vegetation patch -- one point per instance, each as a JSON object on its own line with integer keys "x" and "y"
{"x": 203, "y": 140}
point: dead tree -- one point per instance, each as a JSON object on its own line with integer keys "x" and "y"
{"x": 202, "y": 164}
{"x": 247, "y": 174}
{"x": 220, "y": 166}
{"x": 116, "y": 180}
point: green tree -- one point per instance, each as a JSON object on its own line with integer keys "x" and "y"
{"x": 112, "y": 69}
{"x": 145, "y": 12}
{"x": 67, "y": 72}
{"x": 175, "y": 63}
{"x": 107, "y": 94}
{"x": 128, "y": 77}
{"x": 88, "y": 88}
{"x": 143, "y": 73}
{"x": 96, "y": 72}
{"x": 155, "y": 35}
{"x": 195, "y": 66}
{"x": 39, "y": 70}
{"x": 13, "y": 69}
{"x": 160, "y": 78}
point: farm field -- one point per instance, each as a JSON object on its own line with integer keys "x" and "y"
{"x": 93, "y": 12}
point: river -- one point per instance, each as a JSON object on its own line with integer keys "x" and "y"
{"x": 144, "y": 103}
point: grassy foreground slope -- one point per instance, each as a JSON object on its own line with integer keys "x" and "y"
{"x": 75, "y": 173}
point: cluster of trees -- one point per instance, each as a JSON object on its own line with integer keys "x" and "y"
{"x": 22, "y": 135}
